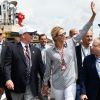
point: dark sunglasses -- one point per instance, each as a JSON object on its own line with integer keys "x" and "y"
{"x": 62, "y": 34}
{"x": 0, "y": 33}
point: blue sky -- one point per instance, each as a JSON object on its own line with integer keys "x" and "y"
{"x": 45, "y": 14}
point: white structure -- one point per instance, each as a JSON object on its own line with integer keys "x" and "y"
{"x": 8, "y": 13}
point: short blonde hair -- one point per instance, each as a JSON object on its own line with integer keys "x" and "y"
{"x": 55, "y": 30}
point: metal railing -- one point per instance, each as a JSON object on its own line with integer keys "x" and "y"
{"x": 7, "y": 22}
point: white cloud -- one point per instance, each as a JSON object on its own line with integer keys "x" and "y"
{"x": 45, "y": 14}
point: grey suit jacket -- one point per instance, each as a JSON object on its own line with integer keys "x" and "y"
{"x": 43, "y": 51}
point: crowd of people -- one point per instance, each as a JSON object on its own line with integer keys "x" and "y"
{"x": 67, "y": 70}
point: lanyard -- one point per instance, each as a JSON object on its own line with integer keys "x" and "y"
{"x": 84, "y": 54}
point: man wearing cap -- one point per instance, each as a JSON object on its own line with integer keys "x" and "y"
{"x": 22, "y": 64}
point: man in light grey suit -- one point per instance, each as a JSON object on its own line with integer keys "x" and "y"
{"x": 63, "y": 63}
{"x": 43, "y": 46}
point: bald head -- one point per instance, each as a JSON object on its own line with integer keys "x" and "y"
{"x": 97, "y": 41}
{"x": 96, "y": 47}
{"x": 87, "y": 39}
{"x": 73, "y": 32}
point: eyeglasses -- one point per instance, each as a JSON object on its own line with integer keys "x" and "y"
{"x": 62, "y": 34}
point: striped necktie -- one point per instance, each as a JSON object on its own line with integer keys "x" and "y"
{"x": 27, "y": 56}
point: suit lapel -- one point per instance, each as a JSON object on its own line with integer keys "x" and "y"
{"x": 21, "y": 52}
{"x": 79, "y": 54}
{"x": 94, "y": 67}
{"x": 3, "y": 47}
{"x": 32, "y": 53}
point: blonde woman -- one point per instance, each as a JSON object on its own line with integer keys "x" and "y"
{"x": 61, "y": 60}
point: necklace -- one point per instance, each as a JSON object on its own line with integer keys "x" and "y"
{"x": 62, "y": 65}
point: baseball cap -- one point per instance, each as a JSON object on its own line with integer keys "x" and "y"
{"x": 27, "y": 29}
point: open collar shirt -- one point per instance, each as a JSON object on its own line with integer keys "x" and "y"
{"x": 63, "y": 79}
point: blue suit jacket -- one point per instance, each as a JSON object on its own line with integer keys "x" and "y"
{"x": 90, "y": 81}
{"x": 15, "y": 67}
{"x": 3, "y": 54}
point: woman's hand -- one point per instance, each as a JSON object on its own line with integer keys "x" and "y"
{"x": 45, "y": 90}
{"x": 93, "y": 8}
{"x": 10, "y": 85}
{"x": 83, "y": 97}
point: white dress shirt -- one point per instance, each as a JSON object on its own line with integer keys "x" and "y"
{"x": 98, "y": 66}
{"x": 85, "y": 52}
{"x": 0, "y": 50}
{"x": 24, "y": 49}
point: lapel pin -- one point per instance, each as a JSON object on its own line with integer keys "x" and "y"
{"x": 33, "y": 52}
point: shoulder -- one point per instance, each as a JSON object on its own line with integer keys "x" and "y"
{"x": 8, "y": 44}
{"x": 90, "y": 58}
{"x": 36, "y": 48}
{"x": 78, "y": 47}
{"x": 50, "y": 50}
{"x": 70, "y": 42}
{"x": 37, "y": 45}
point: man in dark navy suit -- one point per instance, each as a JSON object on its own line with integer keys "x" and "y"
{"x": 3, "y": 48}
{"x": 23, "y": 62}
{"x": 82, "y": 50}
{"x": 90, "y": 76}
{"x": 1, "y": 69}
